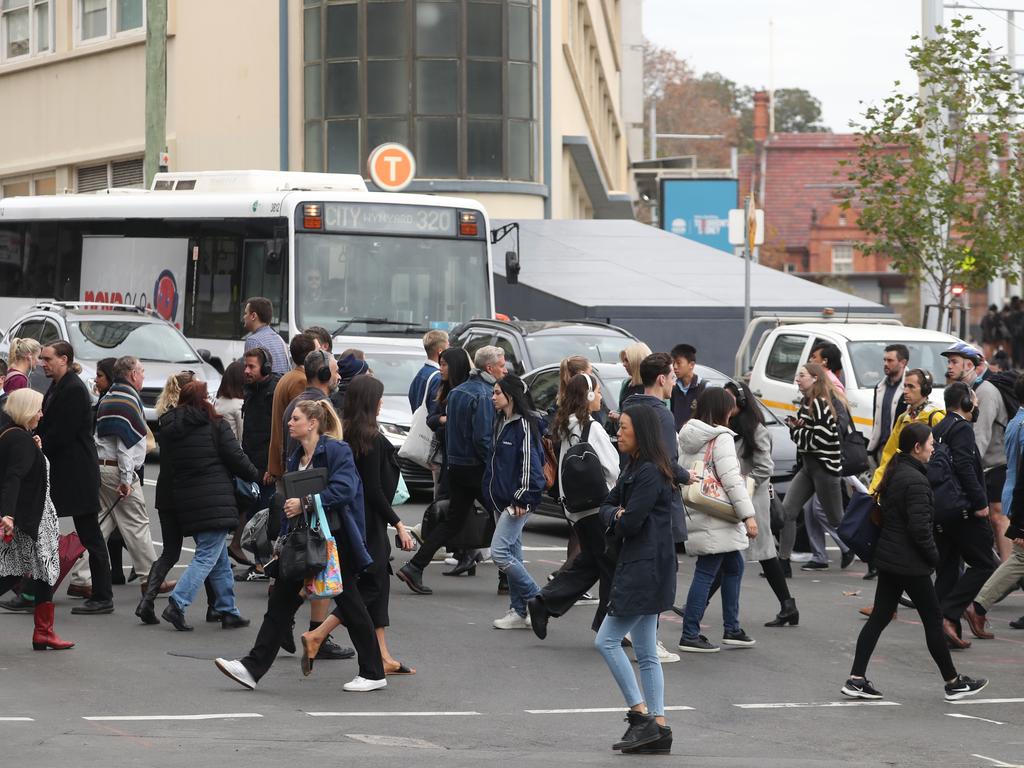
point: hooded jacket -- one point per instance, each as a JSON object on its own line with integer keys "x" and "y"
{"x": 515, "y": 472}
{"x": 470, "y": 427}
{"x": 710, "y": 535}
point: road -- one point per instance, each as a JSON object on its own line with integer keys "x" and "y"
{"x": 134, "y": 695}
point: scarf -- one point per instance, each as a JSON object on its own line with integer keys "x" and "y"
{"x": 120, "y": 414}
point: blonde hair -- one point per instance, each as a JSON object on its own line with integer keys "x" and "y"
{"x": 23, "y": 349}
{"x": 634, "y": 354}
{"x": 327, "y": 418}
{"x": 22, "y": 405}
{"x": 172, "y": 391}
{"x": 569, "y": 367}
{"x": 432, "y": 340}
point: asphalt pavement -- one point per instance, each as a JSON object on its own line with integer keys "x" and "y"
{"x": 132, "y": 695}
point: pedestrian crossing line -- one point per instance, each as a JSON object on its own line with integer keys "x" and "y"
{"x": 17, "y": 720}
{"x": 972, "y": 717}
{"x": 823, "y": 704}
{"x": 393, "y": 714}
{"x": 140, "y": 718}
{"x": 987, "y": 701}
{"x": 595, "y": 710}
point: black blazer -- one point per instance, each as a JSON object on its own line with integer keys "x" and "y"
{"x": 645, "y": 574}
{"x": 958, "y": 434}
{"x": 66, "y": 432}
{"x": 906, "y": 545}
{"x": 379, "y": 473}
{"x": 23, "y": 479}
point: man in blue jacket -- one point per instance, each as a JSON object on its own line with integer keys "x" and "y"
{"x": 469, "y": 432}
{"x": 428, "y": 380}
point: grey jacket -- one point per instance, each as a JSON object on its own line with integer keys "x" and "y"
{"x": 760, "y": 467}
{"x": 990, "y": 426}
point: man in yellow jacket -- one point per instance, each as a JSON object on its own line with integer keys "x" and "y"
{"x": 916, "y": 388}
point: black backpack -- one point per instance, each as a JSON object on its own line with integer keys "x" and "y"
{"x": 581, "y": 477}
{"x": 1004, "y": 381}
{"x": 949, "y": 496}
{"x": 852, "y": 444}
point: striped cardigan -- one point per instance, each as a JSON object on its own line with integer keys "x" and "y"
{"x": 819, "y": 435}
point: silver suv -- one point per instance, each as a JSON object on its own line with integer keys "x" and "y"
{"x": 97, "y": 332}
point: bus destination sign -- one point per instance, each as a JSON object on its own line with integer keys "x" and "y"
{"x": 390, "y": 219}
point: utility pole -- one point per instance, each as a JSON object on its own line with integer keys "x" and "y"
{"x": 156, "y": 86}
{"x": 931, "y": 18}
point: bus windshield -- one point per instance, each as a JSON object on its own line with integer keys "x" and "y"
{"x": 365, "y": 284}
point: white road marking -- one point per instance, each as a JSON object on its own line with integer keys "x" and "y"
{"x": 393, "y": 714}
{"x": 972, "y": 717}
{"x": 802, "y": 705}
{"x": 543, "y": 549}
{"x": 392, "y": 741}
{"x": 999, "y": 763}
{"x": 17, "y": 720}
{"x": 183, "y": 549}
{"x": 988, "y": 701}
{"x": 593, "y": 710}
{"x": 230, "y": 716}
{"x": 149, "y": 482}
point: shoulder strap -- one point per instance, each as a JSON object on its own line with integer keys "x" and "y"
{"x": 426, "y": 388}
{"x": 585, "y": 434}
{"x": 7, "y": 430}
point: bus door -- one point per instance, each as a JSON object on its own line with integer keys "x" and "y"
{"x": 265, "y": 273}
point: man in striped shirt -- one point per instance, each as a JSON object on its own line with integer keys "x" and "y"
{"x": 256, "y": 318}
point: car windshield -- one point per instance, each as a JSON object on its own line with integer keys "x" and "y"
{"x": 395, "y": 372}
{"x": 610, "y": 392}
{"x": 866, "y": 359}
{"x": 153, "y": 342}
{"x": 549, "y": 349}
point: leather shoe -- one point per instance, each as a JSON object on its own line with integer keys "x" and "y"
{"x": 146, "y": 612}
{"x": 175, "y": 616}
{"x": 413, "y": 578}
{"x": 976, "y": 623}
{"x": 233, "y": 621}
{"x": 949, "y": 629}
{"x": 165, "y": 586}
{"x": 213, "y": 616}
{"x": 94, "y": 607}
{"x": 80, "y": 590}
{"x": 467, "y": 565}
{"x": 538, "y": 617}
{"x": 1018, "y": 624}
{"x": 18, "y": 604}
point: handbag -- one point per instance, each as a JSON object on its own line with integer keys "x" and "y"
{"x": 401, "y": 492}
{"x": 476, "y": 532}
{"x": 69, "y": 549}
{"x": 419, "y": 442}
{"x": 861, "y": 525}
{"x": 255, "y": 536}
{"x": 707, "y": 494}
{"x": 327, "y": 583}
{"x": 246, "y": 491}
{"x": 853, "y": 447}
{"x": 304, "y": 551}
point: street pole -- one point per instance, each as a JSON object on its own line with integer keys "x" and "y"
{"x": 747, "y": 245}
{"x": 931, "y": 17}
{"x": 156, "y": 86}
{"x": 652, "y": 131}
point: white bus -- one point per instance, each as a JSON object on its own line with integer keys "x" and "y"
{"x": 321, "y": 247}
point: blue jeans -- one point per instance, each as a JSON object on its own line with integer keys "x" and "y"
{"x": 731, "y": 564}
{"x": 210, "y": 559}
{"x": 643, "y": 630}
{"x": 507, "y": 554}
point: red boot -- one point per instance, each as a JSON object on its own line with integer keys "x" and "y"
{"x": 44, "y": 637}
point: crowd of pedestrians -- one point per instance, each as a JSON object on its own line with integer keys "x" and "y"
{"x": 679, "y": 465}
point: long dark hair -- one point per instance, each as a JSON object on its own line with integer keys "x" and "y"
{"x": 748, "y": 418}
{"x": 459, "y": 366}
{"x": 713, "y": 407}
{"x": 647, "y": 429}
{"x": 232, "y": 384}
{"x": 514, "y": 389}
{"x": 574, "y": 402}
{"x": 913, "y": 434}
{"x": 106, "y": 367}
{"x": 359, "y": 414}
{"x": 196, "y": 395}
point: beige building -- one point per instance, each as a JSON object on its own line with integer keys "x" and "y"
{"x": 531, "y": 106}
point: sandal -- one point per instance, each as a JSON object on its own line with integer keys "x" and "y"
{"x": 402, "y": 670}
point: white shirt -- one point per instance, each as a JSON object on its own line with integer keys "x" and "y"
{"x": 112, "y": 448}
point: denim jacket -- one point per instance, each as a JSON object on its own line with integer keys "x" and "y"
{"x": 470, "y": 426}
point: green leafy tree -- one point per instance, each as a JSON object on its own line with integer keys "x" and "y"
{"x": 931, "y": 179}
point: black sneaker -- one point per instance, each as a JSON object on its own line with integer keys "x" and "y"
{"x": 861, "y": 688}
{"x": 1018, "y": 623}
{"x": 739, "y": 638}
{"x": 330, "y": 650}
{"x": 661, "y": 746}
{"x": 699, "y": 645}
{"x": 812, "y": 565}
{"x": 847, "y": 559}
{"x": 963, "y": 687}
{"x": 641, "y": 734}
{"x": 872, "y": 573}
{"x": 636, "y": 721}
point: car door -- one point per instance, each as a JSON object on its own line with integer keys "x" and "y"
{"x": 773, "y": 378}
{"x": 543, "y": 388}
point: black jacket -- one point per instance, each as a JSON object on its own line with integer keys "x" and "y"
{"x": 681, "y": 404}
{"x": 906, "y": 545}
{"x": 66, "y": 432}
{"x": 958, "y": 434}
{"x": 22, "y": 478}
{"x": 378, "y": 470}
{"x": 205, "y": 458}
{"x": 1016, "y": 512}
{"x": 257, "y": 417}
{"x": 645, "y": 573}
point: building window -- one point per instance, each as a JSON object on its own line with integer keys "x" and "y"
{"x": 842, "y": 259}
{"x": 102, "y": 19}
{"x": 44, "y": 184}
{"x": 454, "y": 80}
{"x": 26, "y": 28}
{"x": 118, "y": 174}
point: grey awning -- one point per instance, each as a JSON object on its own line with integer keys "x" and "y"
{"x": 606, "y": 206}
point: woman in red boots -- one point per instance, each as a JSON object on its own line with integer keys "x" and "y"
{"x": 29, "y": 531}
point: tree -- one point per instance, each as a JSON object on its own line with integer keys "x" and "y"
{"x": 931, "y": 179}
{"x": 797, "y": 111}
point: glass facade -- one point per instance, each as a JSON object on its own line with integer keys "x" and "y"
{"x": 454, "y": 80}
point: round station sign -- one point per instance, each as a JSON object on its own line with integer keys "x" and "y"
{"x": 392, "y": 167}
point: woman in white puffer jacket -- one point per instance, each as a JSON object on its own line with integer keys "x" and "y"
{"x": 717, "y": 543}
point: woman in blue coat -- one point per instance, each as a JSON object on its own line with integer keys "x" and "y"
{"x": 638, "y": 513}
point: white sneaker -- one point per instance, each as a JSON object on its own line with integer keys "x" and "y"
{"x": 512, "y": 620}
{"x": 587, "y": 599}
{"x": 362, "y": 685}
{"x": 237, "y": 672}
{"x": 665, "y": 656}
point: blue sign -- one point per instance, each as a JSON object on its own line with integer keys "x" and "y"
{"x": 698, "y": 209}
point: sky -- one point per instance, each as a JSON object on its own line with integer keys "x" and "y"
{"x": 844, "y": 53}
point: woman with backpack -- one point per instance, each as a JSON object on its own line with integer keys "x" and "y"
{"x": 905, "y": 557}
{"x": 512, "y": 484}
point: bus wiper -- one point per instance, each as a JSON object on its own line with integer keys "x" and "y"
{"x": 367, "y": 321}
{"x": 407, "y": 328}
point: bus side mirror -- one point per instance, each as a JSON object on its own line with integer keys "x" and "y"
{"x": 512, "y": 267}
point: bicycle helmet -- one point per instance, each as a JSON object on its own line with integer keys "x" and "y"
{"x": 965, "y": 350}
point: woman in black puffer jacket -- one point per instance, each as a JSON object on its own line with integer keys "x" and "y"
{"x": 204, "y": 456}
{"x": 905, "y": 557}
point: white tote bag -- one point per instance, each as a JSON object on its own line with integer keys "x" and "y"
{"x": 418, "y": 443}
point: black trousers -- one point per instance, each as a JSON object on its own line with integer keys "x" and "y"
{"x": 88, "y": 529}
{"x": 577, "y": 577}
{"x": 40, "y": 590}
{"x": 887, "y": 593}
{"x": 464, "y": 487}
{"x": 971, "y": 540}
{"x": 170, "y": 554}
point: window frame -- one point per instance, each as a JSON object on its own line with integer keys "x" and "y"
{"x": 801, "y": 358}
{"x": 32, "y": 181}
{"x": 111, "y": 31}
{"x": 33, "y": 37}
{"x": 844, "y": 260}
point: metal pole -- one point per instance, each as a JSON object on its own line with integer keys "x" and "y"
{"x": 931, "y": 17}
{"x": 652, "y": 132}
{"x": 746, "y": 291}
{"x": 156, "y": 86}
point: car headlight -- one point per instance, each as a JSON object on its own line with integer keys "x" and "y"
{"x": 393, "y": 429}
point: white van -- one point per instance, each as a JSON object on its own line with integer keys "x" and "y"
{"x": 784, "y": 349}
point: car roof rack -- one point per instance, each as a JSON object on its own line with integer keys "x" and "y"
{"x": 64, "y": 306}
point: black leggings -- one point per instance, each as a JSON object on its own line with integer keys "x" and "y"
{"x": 40, "y": 590}
{"x": 887, "y": 593}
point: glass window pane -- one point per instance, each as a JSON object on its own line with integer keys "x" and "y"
{"x": 342, "y": 88}
{"x": 312, "y": 93}
{"x": 483, "y": 87}
{"x": 519, "y": 32}
{"x": 94, "y": 18}
{"x": 342, "y": 31}
{"x": 42, "y": 27}
{"x": 343, "y": 146}
{"x": 520, "y": 150}
{"x": 17, "y": 189}
{"x": 382, "y": 131}
{"x": 314, "y": 160}
{"x": 483, "y": 150}
{"x": 437, "y": 29}
{"x": 483, "y": 36}
{"x": 437, "y": 147}
{"x": 46, "y": 186}
{"x": 387, "y": 29}
{"x": 129, "y": 15}
{"x": 387, "y": 87}
{"x": 520, "y": 94}
{"x": 437, "y": 87}
{"x": 8, "y": 5}
{"x": 17, "y": 27}
{"x": 311, "y": 21}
